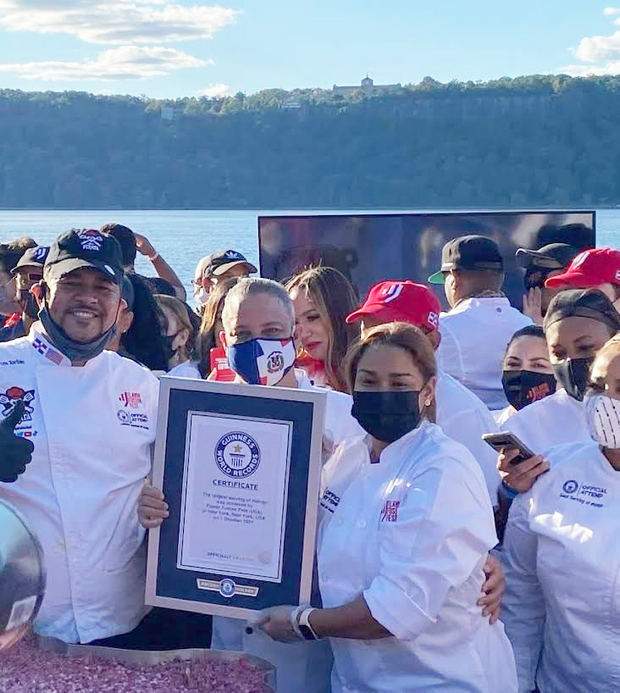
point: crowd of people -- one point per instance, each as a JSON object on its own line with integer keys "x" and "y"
{"x": 441, "y": 564}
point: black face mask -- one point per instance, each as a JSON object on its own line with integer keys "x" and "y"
{"x": 524, "y": 387}
{"x": 387, "y": 415}
{"x": 74, "y": 351}
{"x": 572, "y": 375}
{"x": 28, "y": 304}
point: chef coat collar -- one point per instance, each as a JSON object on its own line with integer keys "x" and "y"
{"x": 44, "y": 348}
{"x": 394, "y": 451}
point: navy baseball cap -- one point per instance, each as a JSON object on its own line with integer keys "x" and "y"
{"x": 220, "y": 262}
{"x": 79, "y": 248}
{"x": 33, "y": 257}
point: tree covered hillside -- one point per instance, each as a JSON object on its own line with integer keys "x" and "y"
{"x": 531, "y": 141}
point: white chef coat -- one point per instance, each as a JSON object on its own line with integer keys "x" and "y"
{"x": 92, "y": 429}
{"x": 553, "y": 420}
{"x": 474, "y": 337}
{"x": 303, "y": 666}
{"x": 562, "y": 561}
{"x": 411, "y": 533}
{"x": 464, "y": 417}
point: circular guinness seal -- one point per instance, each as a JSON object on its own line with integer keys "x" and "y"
{"x": 237, "y": 455}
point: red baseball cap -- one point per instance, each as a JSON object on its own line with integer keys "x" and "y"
{"x": 589, "y": 268}
{"x": 401, "y": 301}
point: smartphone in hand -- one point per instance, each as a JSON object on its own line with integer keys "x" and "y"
{"x": 504, "y": 440}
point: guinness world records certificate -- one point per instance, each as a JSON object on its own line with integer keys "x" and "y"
{"x": 239, "y": 466}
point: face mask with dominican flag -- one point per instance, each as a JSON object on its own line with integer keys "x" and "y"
{"x": 262, "y": 361}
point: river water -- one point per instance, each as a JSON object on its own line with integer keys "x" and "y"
{"x": 182, "y": 237}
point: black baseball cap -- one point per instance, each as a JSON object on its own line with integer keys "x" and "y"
{"x": 583, "y": 303}
{"x": 223, "y": 260}
{"x": 33, "y": 257}
{"x": 468, "y": 253}
{"x": 551, "y": 256}
{"x": 79, "y": 248}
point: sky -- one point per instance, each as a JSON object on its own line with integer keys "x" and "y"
{"x": 176, "y": 48}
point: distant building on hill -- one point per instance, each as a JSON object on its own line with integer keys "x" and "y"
{"x": 366, "y": 85}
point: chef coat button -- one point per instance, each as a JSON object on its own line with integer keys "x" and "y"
{"x": 361, "y": 523}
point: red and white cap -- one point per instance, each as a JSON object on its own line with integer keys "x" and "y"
{"x": 590, "y": 268}
{"x": 400, "y": 301}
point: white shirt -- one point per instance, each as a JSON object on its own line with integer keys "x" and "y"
{"x": 187, "y": 369}
{"x": 92, "y": 429}
{"x": 339, "y": 422}
{"x": 411, "y": 533}
{"x": 474, "y": 337}
{"x": 562, "y": 561}
{"x": 551, "y": 421}
{"x": 464, "y": 417}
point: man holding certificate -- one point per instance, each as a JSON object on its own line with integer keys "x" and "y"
{"x": 259, "y": 321}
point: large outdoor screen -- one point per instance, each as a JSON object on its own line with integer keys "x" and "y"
{"x": 368, "y": 248}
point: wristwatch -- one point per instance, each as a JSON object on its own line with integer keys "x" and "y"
{"x": 304, "y": 625}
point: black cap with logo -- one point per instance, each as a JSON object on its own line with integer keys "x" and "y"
{"x": 79, "y": 248}
{"x": 468, "y": 253}
{"x": 223, "y": 260}
{"x": 551, "y": 256}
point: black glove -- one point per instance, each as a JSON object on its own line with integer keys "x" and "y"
{"x": 15, "y": 452}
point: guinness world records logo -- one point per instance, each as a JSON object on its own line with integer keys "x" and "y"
{"x": 237, "y": 455}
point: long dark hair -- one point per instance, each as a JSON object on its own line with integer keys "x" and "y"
{"x": 144, "y": 340}
{"x": 334, "y": 297}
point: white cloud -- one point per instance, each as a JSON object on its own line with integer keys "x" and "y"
{"x": 593, "y": 49}
{"x": 610, "y": 68}
{"x": 125, "y": 62}
{"x": 215, "y": 90}
{"x": 599, "y": 55}
{"x": 116, "y": 21}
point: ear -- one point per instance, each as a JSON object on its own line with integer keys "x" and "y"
{"x": 427, "y": 394}
{"x": 434, "y": 338}
{"x": 222, "y": 337}
{"x": 39, "y": 292}
{"x": 125, "y": 321}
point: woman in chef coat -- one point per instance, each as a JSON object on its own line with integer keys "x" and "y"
{"x": 577, "y": 324}
{"x": 562, "y": 555}
{"x": 527, "y": 375}
{"x": 406, "y": 524}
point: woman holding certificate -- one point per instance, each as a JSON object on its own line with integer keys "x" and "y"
{"x": 405, "y": 529}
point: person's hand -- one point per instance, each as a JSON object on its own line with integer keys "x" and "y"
{"x": 152, "y": 507}
{"x": 520, "y": 477}
{"x": 276, "y": 622}
{"x": 143, "y": 245}
{"x": 492, "y": 589}
{"x": 532, "y": 305}
{"x": 15, "y": 451}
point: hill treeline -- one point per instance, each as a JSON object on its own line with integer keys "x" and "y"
{"x": 531, "y": 141}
